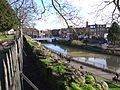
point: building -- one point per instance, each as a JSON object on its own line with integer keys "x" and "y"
{"x": 47, "y": 33}
{"x": 32, "y": 32}
{"x": 97, "y": 30}
{"x": 55, "y": 32}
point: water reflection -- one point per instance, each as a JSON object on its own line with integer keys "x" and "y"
{"x": 56, "y": 48}
{"x": 112, "y": 62}
{"x": 95, "y": 61}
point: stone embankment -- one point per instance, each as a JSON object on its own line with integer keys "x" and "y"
{"x": 65, "y": 58}
{"x": 77, "y": 67}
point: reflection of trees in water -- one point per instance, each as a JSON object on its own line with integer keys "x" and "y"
{"x": 113, "y": 61}
{"x": 68, "y": 48}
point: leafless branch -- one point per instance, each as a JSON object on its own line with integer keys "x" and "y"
{"x": 44, "y": 9}
{"x": 60, "y": 13}
{"x": 116, "y": 3}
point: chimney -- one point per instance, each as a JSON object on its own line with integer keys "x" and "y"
{"x": 87, "y": 24}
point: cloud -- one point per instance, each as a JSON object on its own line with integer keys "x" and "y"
{"x": 85, "y": 6}
{"x": 43, "y": 25}
{"x": 52, "y": 22}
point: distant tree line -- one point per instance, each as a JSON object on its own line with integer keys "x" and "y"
{"x": 8, "y": 17}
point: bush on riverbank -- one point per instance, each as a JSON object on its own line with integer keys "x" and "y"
{"x": 76, "y": 42}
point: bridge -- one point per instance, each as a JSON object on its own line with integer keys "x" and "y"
{"x": 44, "y": 39}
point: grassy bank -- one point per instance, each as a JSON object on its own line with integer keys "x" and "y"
{"x": 3, "y": 37}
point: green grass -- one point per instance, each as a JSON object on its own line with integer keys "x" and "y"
{"x": 31, "y": 43}
{"x": 2, "y": 37}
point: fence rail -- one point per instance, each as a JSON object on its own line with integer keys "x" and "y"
{"x": 11, "y": 66}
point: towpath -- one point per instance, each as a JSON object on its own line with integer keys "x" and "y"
{"x": 94, "y": 71}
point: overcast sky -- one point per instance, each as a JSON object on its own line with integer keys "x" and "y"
{"x": 87, "y": 10}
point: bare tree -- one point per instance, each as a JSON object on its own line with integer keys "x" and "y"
{"x": 65, "y": 11}
{"x": 107, "y": 13}
{"x": 25, "y": 10}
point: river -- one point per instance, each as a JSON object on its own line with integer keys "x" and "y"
{"x": 101, "y": 60}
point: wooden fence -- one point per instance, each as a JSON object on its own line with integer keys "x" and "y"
{"x": 11, "y": 67}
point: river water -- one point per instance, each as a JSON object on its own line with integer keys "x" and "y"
{"x": 101, "y": 60}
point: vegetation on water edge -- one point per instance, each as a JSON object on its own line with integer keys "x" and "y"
{"x": 80, "y": 45}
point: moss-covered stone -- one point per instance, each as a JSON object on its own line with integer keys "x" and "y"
{"x": 90, "y": 79}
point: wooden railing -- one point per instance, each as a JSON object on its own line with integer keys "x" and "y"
{"x": 11, "y": 68}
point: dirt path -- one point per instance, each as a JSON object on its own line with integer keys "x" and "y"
{"x": 94, "y": 71}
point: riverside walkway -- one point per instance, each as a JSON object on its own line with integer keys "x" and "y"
{"x": 94, "y": 71}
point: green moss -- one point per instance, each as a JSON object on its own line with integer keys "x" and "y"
{"x": 87, "y": 87}
{"x": 99, "y": 87}
{"x": 58, "y": 68}
{"x": 81, "y": 84}
{"x": 90, "y": 79}
{"x": 75, "y": 86}
{"x": 31, "y": 43}
{"x": 46, "y": 60}
{"x": 62, "y": 82}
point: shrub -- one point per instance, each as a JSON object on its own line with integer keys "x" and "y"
{"x": 76, "y": 42}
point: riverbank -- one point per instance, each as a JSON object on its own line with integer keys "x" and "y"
{"x": 96, "y": 71}
{"x": 97, "y": 49}
{"x": 69, "y": 58}
{"x": 61, "y": 75}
